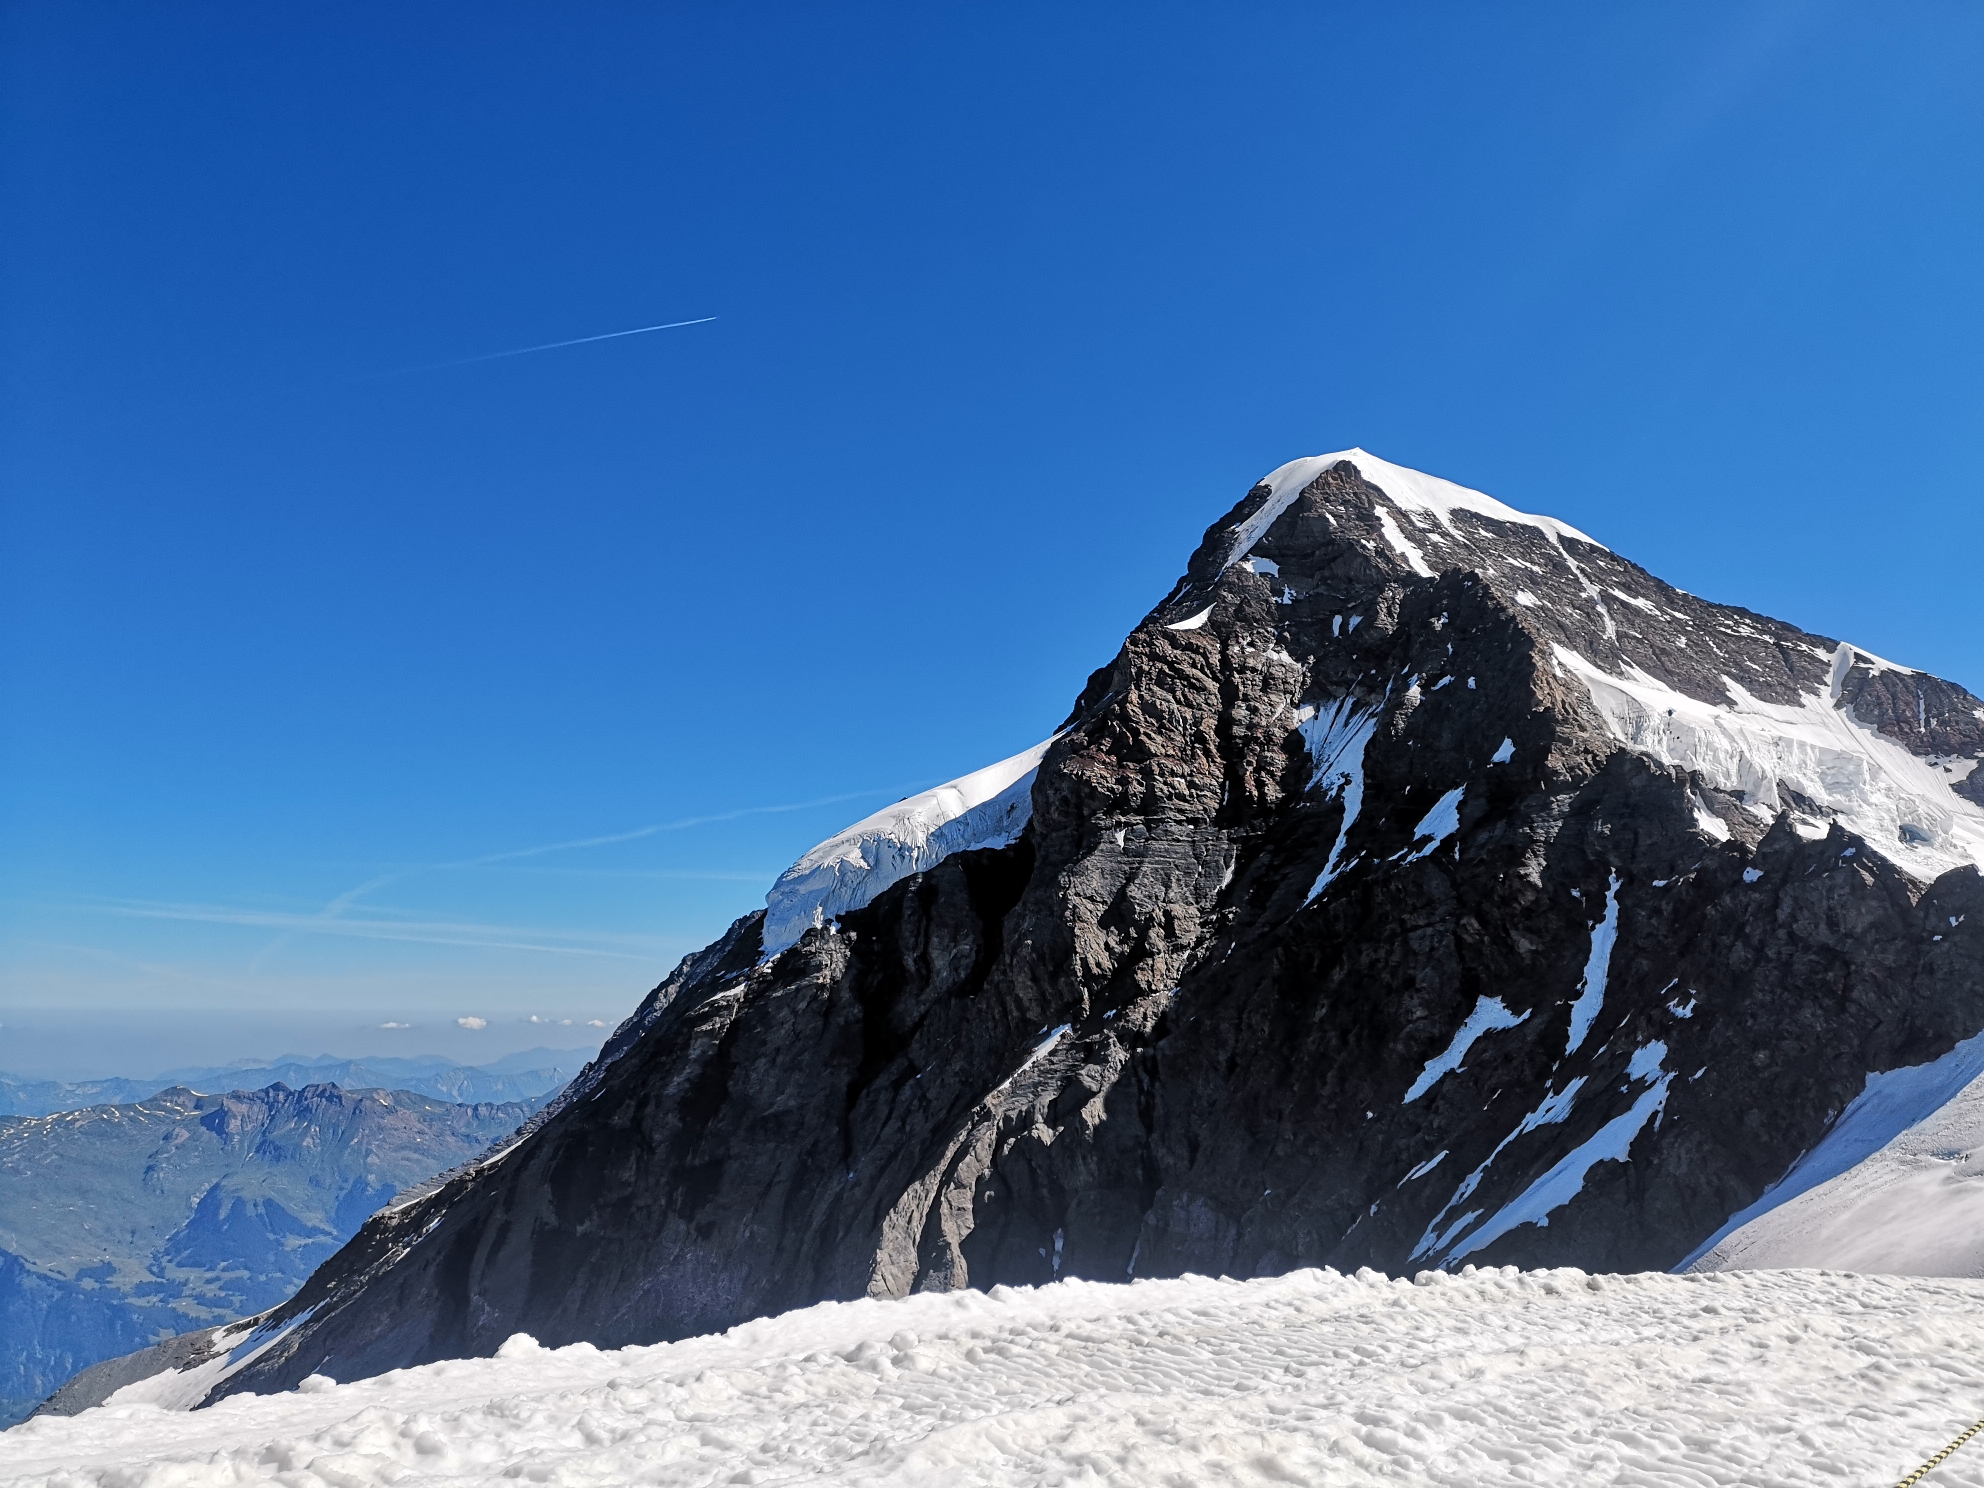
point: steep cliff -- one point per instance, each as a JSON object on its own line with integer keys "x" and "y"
{"x": 1421, "y": 883}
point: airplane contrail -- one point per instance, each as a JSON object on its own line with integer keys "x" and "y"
{"x": 673, "y": 826}
{"x": 492, "y": 356}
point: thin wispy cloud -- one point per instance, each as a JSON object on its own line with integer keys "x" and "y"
{"x": 330, "y": 911}
{"x": 360, "y": 379}
{"x": 334, "y": 912}
{"x": 78, "y": 976}
{"x": 348, "y": 916}
{"x": 112, "y": 958}
{"x": 351, "y": 896}
{"x": 378, "y": 924}
{"x": 673, "y": 826}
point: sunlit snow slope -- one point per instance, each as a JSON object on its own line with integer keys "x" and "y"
{"x": 1495, "y": 1377}
{"x": 1896, "y": 1186}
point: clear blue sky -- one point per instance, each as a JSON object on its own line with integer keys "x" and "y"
{"x": 1012, "y": 302}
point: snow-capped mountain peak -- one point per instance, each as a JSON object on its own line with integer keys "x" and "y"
{"x": 1411, "y": 490}
{"x": 1420, "y": 884}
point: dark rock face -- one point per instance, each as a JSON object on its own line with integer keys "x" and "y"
{"x": 1347, "y": 930}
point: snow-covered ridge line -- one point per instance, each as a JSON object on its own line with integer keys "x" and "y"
{"x": 1408, "y": 489}
{"x": 1766, "y": 752}
{"x": 987, "y": 808}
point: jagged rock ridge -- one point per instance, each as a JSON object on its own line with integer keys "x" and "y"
{"x": 517, "y": 1077}
{"x": 1421, "y": 883}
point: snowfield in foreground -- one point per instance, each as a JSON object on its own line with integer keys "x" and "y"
{"x": 1492, "y": 1377}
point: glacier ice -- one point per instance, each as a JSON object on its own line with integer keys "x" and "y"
{"x": 1900, "y": 803}
{"x": 987, "y": 808}
{"x": 1888, "y": 1140}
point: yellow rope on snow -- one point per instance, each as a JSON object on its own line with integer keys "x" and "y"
{"x": 1939, "y": 1459}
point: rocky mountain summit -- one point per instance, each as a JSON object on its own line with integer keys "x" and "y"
{"x": 1422, "y": 884}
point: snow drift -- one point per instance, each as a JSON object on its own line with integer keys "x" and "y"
{"x": 1487, "y": 1378}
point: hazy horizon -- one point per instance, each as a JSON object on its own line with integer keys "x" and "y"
{"x": 142, "y": 1043}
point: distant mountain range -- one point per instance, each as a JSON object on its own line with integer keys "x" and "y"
{"x": 122, "y": 1223}
{"x": 515, "y": 1077}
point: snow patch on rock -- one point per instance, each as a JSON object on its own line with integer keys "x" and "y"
{"x": 1554, "y": 1107}
{"x": 1487, "y": 1016}
{"x": 1337, "y": 741}
{"x": 235, "y": 1347}
{"x": 1438, "y": 824}
{"x": 1708, "y": 823}
{"x": 1565, "y": 1180}
{"x": 1413, "y": 557}
{"x": 1597, "y": 967}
